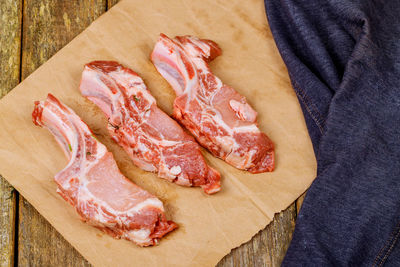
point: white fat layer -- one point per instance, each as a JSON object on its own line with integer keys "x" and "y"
{"x": 121, "y": 217}
{"x": 181, "y": 180}
{"x": 173, "y": 81}
{"x": 175, "y": 170}
{"x": 141, "y": 147}
{"x": 173, "y": 174}
{"x": 252, "y": 128}
{"x": 243, "y": 110}
{"x": 140, "y": 236}
{"x": 149, "y": 202}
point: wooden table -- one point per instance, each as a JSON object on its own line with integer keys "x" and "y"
{"x": 31, "y": 32}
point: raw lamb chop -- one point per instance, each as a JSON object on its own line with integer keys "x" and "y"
{"x": 153, "y": 140}
{"x": 93, "y": 184}
{"x": 218, "y": 116}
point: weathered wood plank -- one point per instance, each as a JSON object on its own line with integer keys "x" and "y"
{"x": 48, "y": 25}
{"x": 10, "y": 46}
{"x": 7, "y": 222}
{"x": 268, "y": 247}
{"x": 111, "y": 3}
{"x": 299, "y": 202}
{"x": 40, "y": 244}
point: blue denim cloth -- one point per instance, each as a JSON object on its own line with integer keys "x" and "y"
{"x": 343, "y": 59}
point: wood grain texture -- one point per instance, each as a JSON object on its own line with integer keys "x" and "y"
{"x": 299, "y": 202}
{"x": 111, "y": 3}
{"x": 48, "y": 25}
{"x": 268, "y": 247}
{"x": 7, "y": 222}
{"x": 10, "y": 46}
{"x": 40, "y": 244}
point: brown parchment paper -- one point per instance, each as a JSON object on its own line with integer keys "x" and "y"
{"x": 210, "y": 226}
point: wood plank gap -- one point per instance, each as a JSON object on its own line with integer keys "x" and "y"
{"x": 21, "y": 34}
{"x": 16, "y": 223}
{"x": 16, "y": 220}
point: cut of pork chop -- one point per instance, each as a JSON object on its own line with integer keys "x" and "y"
{"x": 93, "y": 184}
{"x": 153, "y": 140}
{"x": 218, "y": 116}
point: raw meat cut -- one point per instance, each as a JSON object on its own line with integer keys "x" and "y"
{"x": 218, "y": 116}
{"x": 93, "y": 184}
{"x": 153, "y": 140}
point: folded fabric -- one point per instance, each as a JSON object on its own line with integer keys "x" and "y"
{"x": 343, "y": 58}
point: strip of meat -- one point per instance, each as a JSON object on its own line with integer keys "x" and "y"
{"x": 93, "y": 184}
{"x": 218, "y": 116}
{"x": 153, "y": 140}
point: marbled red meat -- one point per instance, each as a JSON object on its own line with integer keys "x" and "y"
{"x": 93, "y": 184}
{"x": 153, "y": 140}
{"x": 218, "y": 116}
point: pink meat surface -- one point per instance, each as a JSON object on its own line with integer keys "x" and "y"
{"x": 153, "y": 140}
{"x": 93, "y": 184}
{"x": 218, "y": 116}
